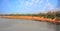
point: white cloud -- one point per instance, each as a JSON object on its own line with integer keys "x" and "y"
{"x": 33, "y": 0}
{"x": 47, "y": 0}
{"x": 41, "y": 1}
{"x": 27, "y": 3}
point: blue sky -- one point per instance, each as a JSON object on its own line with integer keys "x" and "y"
{"x": 26, "y": 6}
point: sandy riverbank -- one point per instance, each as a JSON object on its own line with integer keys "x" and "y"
{"x": 30, "y": 18}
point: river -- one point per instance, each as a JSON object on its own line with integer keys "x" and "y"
{"x": 25, "y": 25}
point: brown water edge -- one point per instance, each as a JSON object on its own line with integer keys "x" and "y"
{"x": 35, "y": 18}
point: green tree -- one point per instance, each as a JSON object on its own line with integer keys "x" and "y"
{"x": 50, "y": 16}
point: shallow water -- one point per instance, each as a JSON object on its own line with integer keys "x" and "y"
{"x": 25, "y": 25}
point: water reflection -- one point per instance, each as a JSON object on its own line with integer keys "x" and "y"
{"x": 25, "y": 25}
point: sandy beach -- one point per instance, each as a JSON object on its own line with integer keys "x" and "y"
{"x": 31, "y": 18}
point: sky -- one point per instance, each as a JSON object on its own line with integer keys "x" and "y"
{"x": 26, "y": 6}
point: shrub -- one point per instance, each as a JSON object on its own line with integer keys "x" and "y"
{"x": 50, "y": 16}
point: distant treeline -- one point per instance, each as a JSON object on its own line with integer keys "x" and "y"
{"x": 48, "y": 14}
{"x": 18, "y": 14}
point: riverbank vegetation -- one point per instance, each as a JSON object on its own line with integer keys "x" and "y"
{"x": 49, "y": 14}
